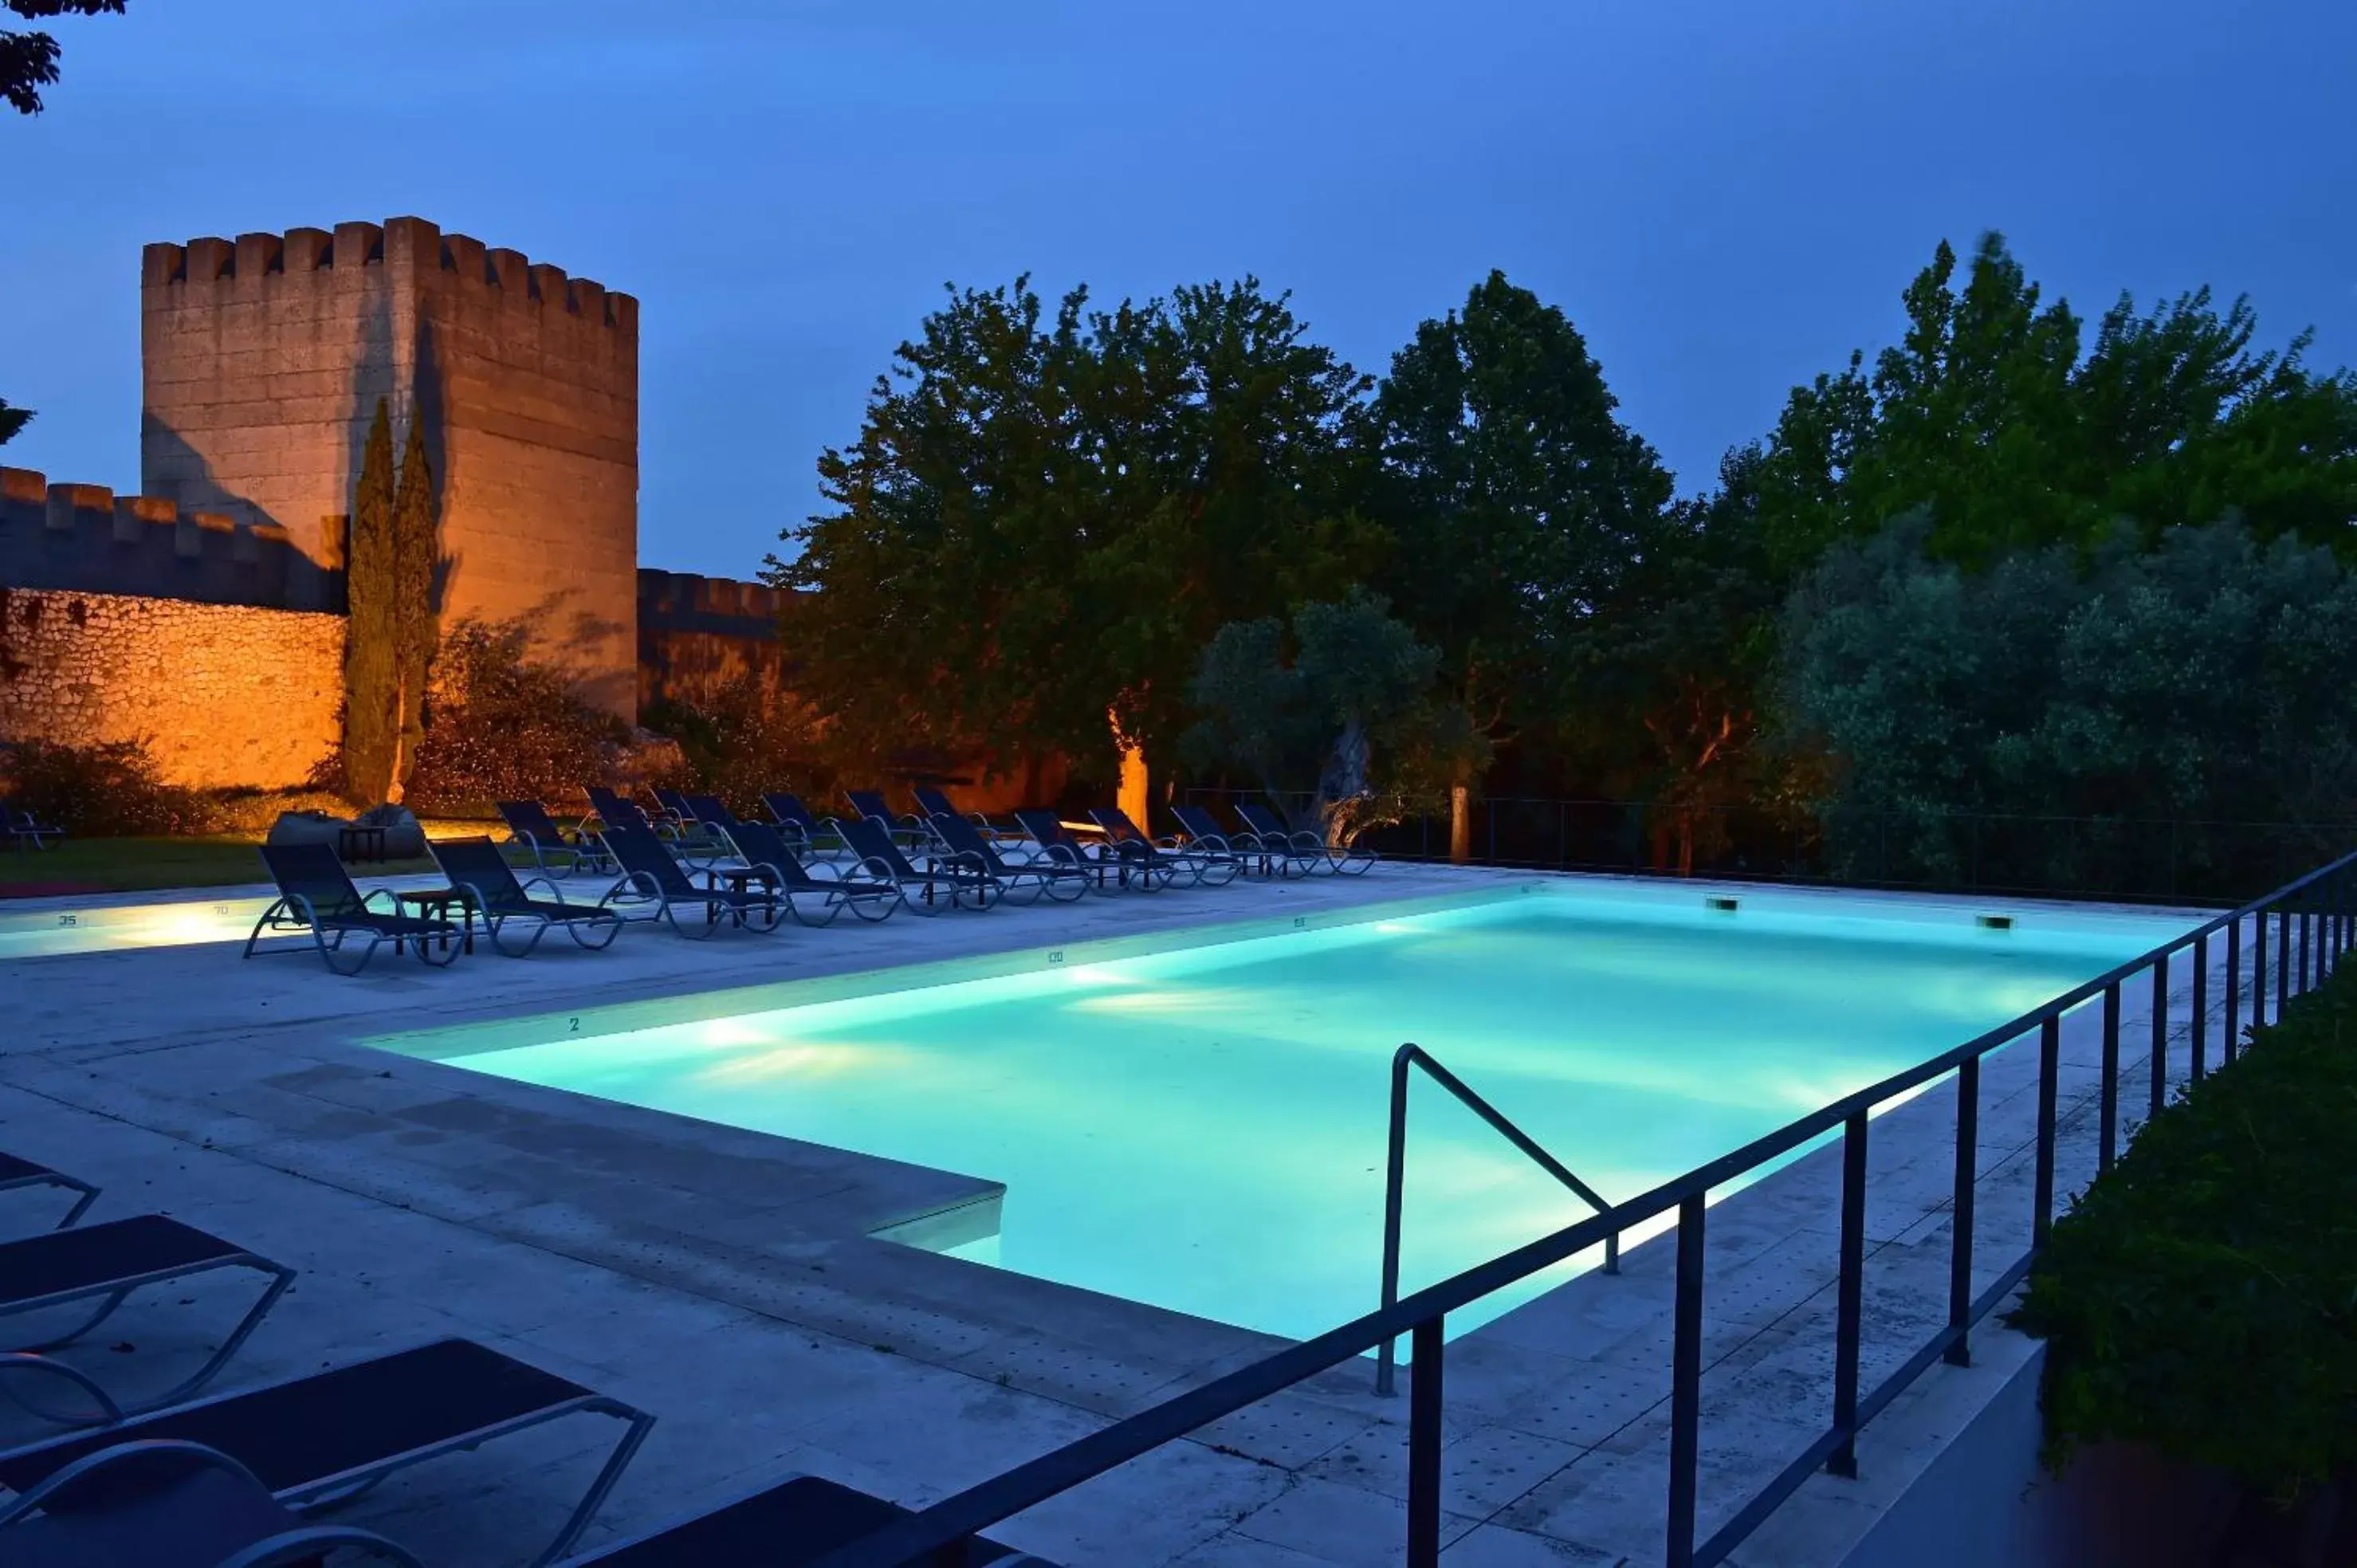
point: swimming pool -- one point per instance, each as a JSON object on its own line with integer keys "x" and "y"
{"x": 52, "y": 932}
{"x": 1202, "y": 1126}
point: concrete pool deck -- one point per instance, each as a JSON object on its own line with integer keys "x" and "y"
{"x": 725, "y": 1280}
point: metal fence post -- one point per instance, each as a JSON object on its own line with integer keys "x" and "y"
{"x": 1685, "y": 1385}
{"x": 2198, "y": 1038}
{"x": 1849, "y": 1294}
{"x": 2233, "y": 990}
{"x": 1424, "y": 1445}
{"x": 2049, "y": 1072}
{"x": 2107, "y": 1148}
{"x": 2159, "y": 1032}
{"x": 1960, "y": 1239}
{"x": 2283, "y": 961}
{"x": 2259, "y": 971}
{"x": 1394, "y": 1180}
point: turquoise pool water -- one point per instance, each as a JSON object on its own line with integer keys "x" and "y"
{"x": 110, "y": 928}
{"x": 1203, "y": 1128}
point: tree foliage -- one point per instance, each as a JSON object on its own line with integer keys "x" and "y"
{"x": 28, "y": 59}
{"x": 2201, "y": 680}
{"x": 501, "y": 727}
{"x": 1997, "y": 421}
{"x": 373, "y": 626}
{"x": 1345, "y": 697}
{"x": 416, "y": 551}
{"x": 2202, "y": 1295}
{"x": 1519, "y": 505}
{"x": 1046, "y": 517}
{"x": 12, "y": 421}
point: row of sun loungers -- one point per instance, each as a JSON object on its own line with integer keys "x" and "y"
{"x": 701, "y": 869}
{"x": 172, "y": 1481}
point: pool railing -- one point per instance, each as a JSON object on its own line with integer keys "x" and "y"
{"x": 2310, "y": 924}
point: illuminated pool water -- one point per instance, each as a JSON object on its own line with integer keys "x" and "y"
{"x": 1203, "y": 1128}
{"x": 108, "y": 928}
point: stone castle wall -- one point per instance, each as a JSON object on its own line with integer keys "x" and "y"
{"x": 698, "y": 634}
{"x": 224, "y": 696}
{"x": 265, "y": 358}
{"x": 89, "y": 538}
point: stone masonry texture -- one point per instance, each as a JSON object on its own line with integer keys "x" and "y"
{"x": 263, "y": 360}
{"x": 224, "y": 696}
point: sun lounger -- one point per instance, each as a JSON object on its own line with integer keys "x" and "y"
{"x": 941, "y": 881}
{"x": 1305, "y": 850}
{"x": 868, "y": 894}
{"x": 650, "y": 875}
{"x": 555, "y": 850}
{"x": 316, "y": 898}
{"x": 181, "y": 1505}
{"x": 692, "y": 845}
{"x": 1023, "y": 880}
{"x": 1128, "y": 838}
{"x": 320, "y": 1439}
{"x": 1104, "y": 861}
{"x": 168, "y": 1505}
{"x": 1204, "y": 836}
{"x": 22, "y": 830}
{"x": 107, "y": 1262}
{"x": 495, "y": 896}
{"x": 783, "y": 1525}
{"x": 15, "y": 1174}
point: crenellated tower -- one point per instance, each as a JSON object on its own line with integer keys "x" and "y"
{"x": 263, "y": 360}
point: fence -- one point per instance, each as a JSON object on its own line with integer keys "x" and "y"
{"x": 2275, "y": 948}
{"x": 2160, "y": 860}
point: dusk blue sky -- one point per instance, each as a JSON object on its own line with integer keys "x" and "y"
{"x": 1725, "y": 197}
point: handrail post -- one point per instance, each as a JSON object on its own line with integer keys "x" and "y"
{"x": 2283, "y": 961}
{"x": 2233, "y": 1023}
{"x": 2159, "y": 1032}
{"x": 1960, "y": 1233}
{"x": 2108, "y": 1091}
{"x": 1849, "y": 1296}
{"x": 2049, "y": 1073}
{"x": 1685, "y": 1384}
{"x": 1396, "y": 1174}
{"x": 2259, "y": 967}
{"x": 1424, "y": 1445}
{"x": 2198, "y": 1039}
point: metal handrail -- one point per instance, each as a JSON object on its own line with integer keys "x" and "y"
{"x": 1412, "y": 1055}
{"x": 2330, "y": 935}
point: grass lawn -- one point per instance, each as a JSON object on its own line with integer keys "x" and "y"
{"x": 129, "y": 864}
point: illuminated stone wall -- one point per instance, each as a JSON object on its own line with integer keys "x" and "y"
{"x": 265, "y": 357}
{"x": 697, "y": 634}
{"x": 224, "y": 696}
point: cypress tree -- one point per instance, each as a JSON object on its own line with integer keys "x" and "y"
{"x": 415, "y": 552}
{"x": 371, "y": 676}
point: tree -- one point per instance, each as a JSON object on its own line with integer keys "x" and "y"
{"x": 12, "y": 420}
{"x": 415, "y": 552}
{"x": 1046, "y": 518}
{"x": 1356, "y": 692}
{"x": 1521, "y": 506}
{"x": 373, "y": 645}
{"x": 2196, "y": 682}
{"x": 1988, "y": 419}
{"x": 29, "y": 61}
{"x": 1670, "y": 674}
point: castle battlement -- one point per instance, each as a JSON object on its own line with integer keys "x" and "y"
{"x": 685, "y": 601}
{"x": 87, "y": 539}
{"x": 249, "y": 261}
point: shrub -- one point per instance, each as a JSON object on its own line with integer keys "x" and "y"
{"x": 110, "y": 790}
{"x": 743, "y": 737}
{"x": 2202, "y": 1296}
{"x": 501, "y": 726}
